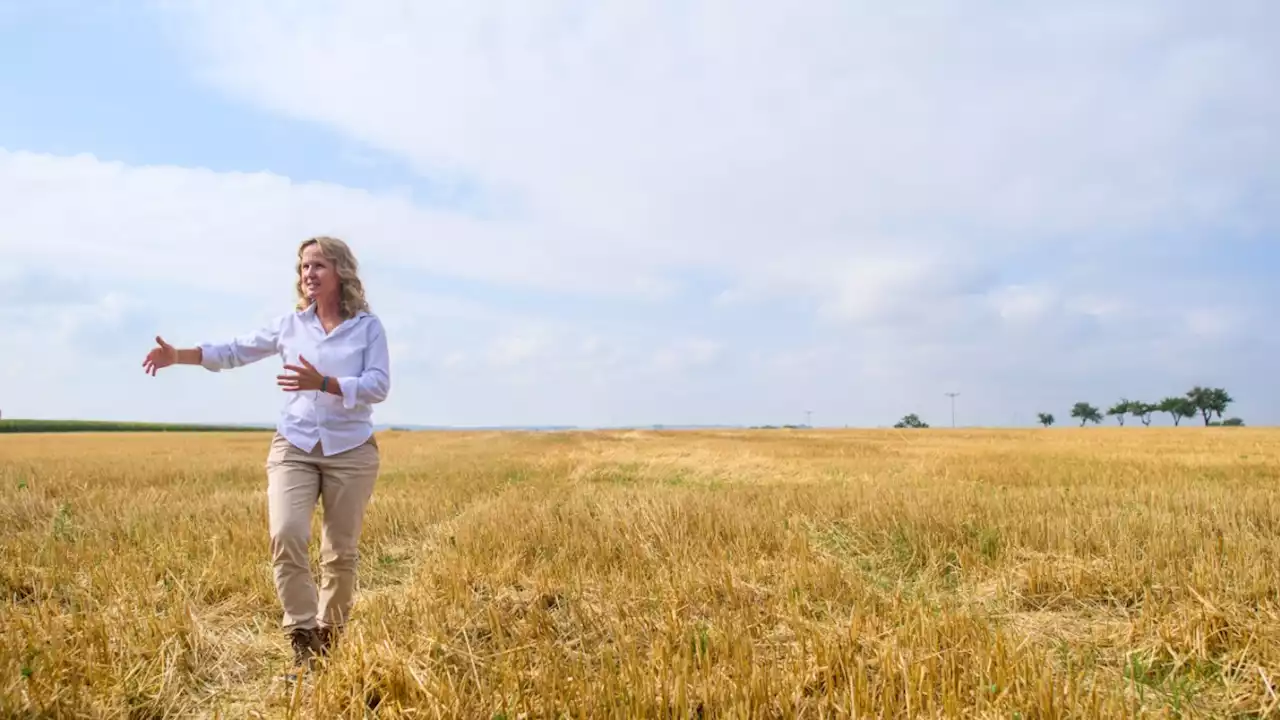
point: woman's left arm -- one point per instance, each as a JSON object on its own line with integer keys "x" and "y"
{"x": 372, "y": 385}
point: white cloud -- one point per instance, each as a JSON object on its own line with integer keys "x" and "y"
{"x": 772, "y": 140}
{"x": 1213, "y": 323}
{"x": 892, "y": 202}
{"x": 519, "y": 348}
{"x": 147, "y": 222}
{"x": 687, "y": 354}
{"x": 1021, "y": 303}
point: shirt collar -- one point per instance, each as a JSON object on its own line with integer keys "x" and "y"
{"x": 310, "y": 312}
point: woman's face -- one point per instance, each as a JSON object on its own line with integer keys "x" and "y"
{"x": 319, "y": 277}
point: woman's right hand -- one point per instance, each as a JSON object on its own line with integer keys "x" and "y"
{"x": 162, "y": 356}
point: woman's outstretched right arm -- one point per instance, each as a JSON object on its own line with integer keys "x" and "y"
{"x": 240, "y": 351}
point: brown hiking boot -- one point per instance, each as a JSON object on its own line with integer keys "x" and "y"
{"x": 328, "y": 638}
{"x": 306, "y": 645}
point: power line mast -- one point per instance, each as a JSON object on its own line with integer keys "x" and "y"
{"x": 952, "y": 395}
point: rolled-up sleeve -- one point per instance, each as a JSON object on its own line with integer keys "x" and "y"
{"x": 241, "y": 350}
{"x": 373, "y": 384}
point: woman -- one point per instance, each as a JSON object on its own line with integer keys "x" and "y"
{"x": 324, "y": 447}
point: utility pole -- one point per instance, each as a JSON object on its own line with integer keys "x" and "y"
{"x": 953, "y": 395}
{"x": 808, "y": 418}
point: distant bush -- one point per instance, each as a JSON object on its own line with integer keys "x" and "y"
{"x": 54, "y": 426}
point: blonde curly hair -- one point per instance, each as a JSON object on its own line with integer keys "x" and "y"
{"x": 351, "y": 294}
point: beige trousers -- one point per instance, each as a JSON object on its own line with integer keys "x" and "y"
{"x": 343, "y": 484}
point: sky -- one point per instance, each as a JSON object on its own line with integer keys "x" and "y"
{"x": 624, "y": 214}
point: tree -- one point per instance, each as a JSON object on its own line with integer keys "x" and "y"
{"x": 1178, "y": 408}
{"x": 1046, "y": 419}
{"x": 911, "y": 421}
{"x": 1209, "y": 401}
{"x": 1086, "y": 413}
{"x": 1142, "y": 411}
{"x": 1120, "y": 409}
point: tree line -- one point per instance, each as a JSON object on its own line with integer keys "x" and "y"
{"x": 1202, "y": 401}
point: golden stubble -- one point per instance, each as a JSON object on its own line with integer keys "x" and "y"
{"x": 1037, "y": 574}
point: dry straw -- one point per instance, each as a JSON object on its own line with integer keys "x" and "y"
{"x": 1065, "y": 573}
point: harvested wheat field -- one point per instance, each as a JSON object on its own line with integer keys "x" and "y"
{"x": 928, "y": 573}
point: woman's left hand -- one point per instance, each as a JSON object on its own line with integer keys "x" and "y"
{"x": 307, "y": 378}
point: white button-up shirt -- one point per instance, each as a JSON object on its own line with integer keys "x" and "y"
{"x": 355, "y": 353}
